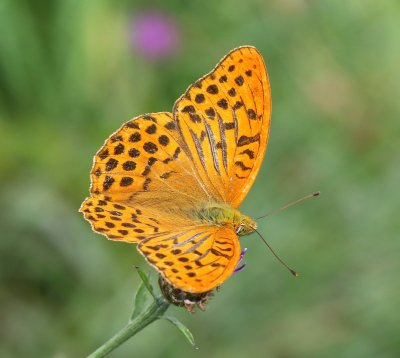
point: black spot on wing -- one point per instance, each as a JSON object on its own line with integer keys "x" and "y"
{"x": 244, "y": 140}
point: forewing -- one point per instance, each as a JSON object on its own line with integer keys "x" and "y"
{"x": 143, "y": 182}
{"x": 193, "y": 259}
{"x": 143, "y": 164}
{"x": 224, "y": 120}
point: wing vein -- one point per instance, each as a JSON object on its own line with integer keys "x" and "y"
{"x": 212, "y": 143}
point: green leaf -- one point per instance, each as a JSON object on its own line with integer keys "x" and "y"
{"x": 141, "y": 298}
{"x": 146, "y": 281}
{"x": 182, "y": 328}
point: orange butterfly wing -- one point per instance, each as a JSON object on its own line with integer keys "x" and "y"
{"x": 224, "y": 121}
{"x": 142, "y": 181}
{"x": 142, "y": 158}
{"x": 194, "y": 259}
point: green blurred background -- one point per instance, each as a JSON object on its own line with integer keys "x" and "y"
{"x": 70, "y": 74}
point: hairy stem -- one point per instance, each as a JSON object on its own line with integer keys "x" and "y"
{"x": 152, "y": 313}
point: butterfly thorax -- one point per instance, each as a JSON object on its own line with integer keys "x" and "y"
{"x": 225, "y": 215}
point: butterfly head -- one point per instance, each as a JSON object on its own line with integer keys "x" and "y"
{"x": 246, "y": 225}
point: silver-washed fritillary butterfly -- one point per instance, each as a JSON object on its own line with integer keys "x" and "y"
{"x": 172, "y": 182}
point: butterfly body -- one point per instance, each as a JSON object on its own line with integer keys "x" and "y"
{"x": 172, "y": 183}
{"x": 225, "y": 215}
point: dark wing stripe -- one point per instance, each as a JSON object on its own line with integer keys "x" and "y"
{"x": 211, "y": 271}
{"x": 195, "y": 246}
{"x": 199, "y": 149}
{"x": 223, "y": 242}
{"x": 253, "y": 98}
{"x": 203, "y": 255}
{"x": 241, "y": 165}
{"x": 241, "y": 177}
{"x": 249, "y": 153}
{"x": 227, "y": 249}
{"x": 244, "y": 140}
{"x": 213, "y": 147}
{"x": 184, "y": 145}
{"x": 184, "y": 242}
{"x": 247, "y": 116}
{"x": 175, "y": 237}
{"x": 224, "y": 146}
{"x": 218, "y": 253}
{"x": 235, "y": 120}
{"x": 182, "y": 140}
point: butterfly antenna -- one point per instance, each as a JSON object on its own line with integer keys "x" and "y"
{"x": 293, "y": 272}
{"x": 273, "y": 212}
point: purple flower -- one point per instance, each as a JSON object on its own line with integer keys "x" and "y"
{"x": 241, "y": 265}
{"x": 154, "y": 35}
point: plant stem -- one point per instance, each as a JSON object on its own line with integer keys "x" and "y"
{"x": 152, "y": 313}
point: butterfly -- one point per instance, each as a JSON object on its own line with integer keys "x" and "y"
{"x": 172, "y": 182}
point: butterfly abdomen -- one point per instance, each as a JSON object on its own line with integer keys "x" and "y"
{"x": 181, "y": 298}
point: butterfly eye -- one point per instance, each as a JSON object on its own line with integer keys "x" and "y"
{"x": 240, "y": 229}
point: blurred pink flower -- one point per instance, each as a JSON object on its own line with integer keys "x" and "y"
{"x": 154, "y": 35}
